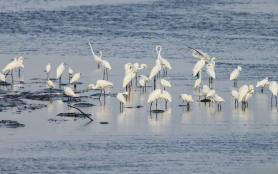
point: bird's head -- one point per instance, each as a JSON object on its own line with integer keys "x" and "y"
{"x": 158, "y": 48}
{"x": 239, "y": 68}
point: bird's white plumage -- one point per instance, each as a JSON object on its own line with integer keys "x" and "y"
{"x": 197, "y": 83}
{"x": 154, "y": 95}
{"x": 106, "y": 64}
{"x": 262, "y": 83}
{"x": 50, "y": 84}
{"x": 48, "y": 68}
{"x": 211, "y": 71}
{"x": 217, "y": 99}
{"x": 75, "y": 78}
{"x": 155, "y": 70}
{"x": 187, "y": 98}
{"x": 210, "y": 93}
{"x": 69, "y": 92}
{"x": 60, "y": 70}
{"x": 165, "y": 95}
{"x": 121, "y": 97}
{"x": 10, "y": 66}
{"x": 97, "y": 58}
{"x": 235, "y": 94}
{"x": 235, "y": 73}
{"x": 165, "y": 83}
{"x": 243, "y": 90}
{"x": 70, "y": 71}
{"x": 273, "y": 87}
{"x": 101, "y": 84}
{"x": 2, "y": 77}
{"x": 205, "y": 90}
{"x": 198, "y": 67}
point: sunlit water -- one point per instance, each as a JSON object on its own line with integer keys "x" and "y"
{"x": 202, "y": 140}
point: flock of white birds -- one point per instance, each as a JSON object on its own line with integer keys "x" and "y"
{"x": 160, "y": 85}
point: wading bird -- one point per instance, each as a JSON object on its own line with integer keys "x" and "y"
{"x": 70, "y": 93}
{"x": 219, "y": 100}
{"x": 47, "y": 70}
{"x": 234, "y": 75}
{"x": 235, "y": 95}
{"x": 9, "y": 68}
{"x": 70, "y": 72}
{"x": 166, "y": 96}
{"x": 211, "y": 72}
{"x": 165, "y": 84}
{"x": 188, "y": 99}
{"x": 59, "y": 72}
{"x": 106, "y": 66}
{"x": 154, "y": 97}
{"x": 273, "y": 87}
{"x": 121, "y": 96}
{"x": 165, "y": 64}
{"x": 262, "y": 84}
{"x": 100, "y": 85}
{"x": 75, "y": 78}
{"x": 154, "y": 72}
{"x": 143, "y": 82}
{"x": 97, "y": 58}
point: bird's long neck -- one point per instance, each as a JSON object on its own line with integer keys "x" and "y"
{"x": 92, "y": 50}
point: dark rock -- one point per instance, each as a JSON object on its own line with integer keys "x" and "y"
{"x": 10, "y": 124}
{"x": 157, "y": 111}
{"x": 205, "y": 100}
{"x": 83, "y": 105}
{"x": 103, "y": 122}
{"x": 71, "y": 114}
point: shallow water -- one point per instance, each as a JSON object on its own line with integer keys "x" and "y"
{"x": 202, "y": 140}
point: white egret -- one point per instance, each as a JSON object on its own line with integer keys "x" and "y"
{"x": 154, "y": 72}
{"x": 235, "y": 95}
{"x": 75, "y": 78}
{"x": 165, "y": 84}
{"x": 217, "y": 99}
{"x": 205, "y": 91}
{"x": 154, "y": 96}
{"x": 59, "y": 72}
{"x": 47, "y": 70}
{"x": 210, "y": 71}
{"x": 210, "y": 93}
{"x": 143, "y": 82}
{"x": 198, "y": 67}
{"x": 20, "y": 65}
{"x": 262, "y": 84}
{"x": 165, "y": 64}
{"x": 188, "y": 99}
{"x": 245, "y": 92}
{"x": 234, "y": 75}
{"x": 70, "y": 93}
{"x": 97, "y": 58}
{"x": 106, "y": 66}
{"x": 100, "y": 85}
{"x": 248, "y": 95}
{"x": 121, "y": 96}
{"x": 273, "y": 87}
{"x": 166, "y": 96}
{"x": 10, "y": 67}
{"x": 70, "y": 72}
{"x": 50, "y": 85}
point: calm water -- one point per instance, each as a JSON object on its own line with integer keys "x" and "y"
{"x": 200, "y": 141}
